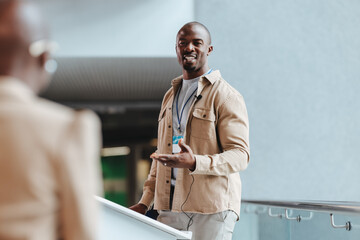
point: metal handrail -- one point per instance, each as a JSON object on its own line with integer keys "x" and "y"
{"x": 339, "y": 207}
{"x": 319, "y": 206}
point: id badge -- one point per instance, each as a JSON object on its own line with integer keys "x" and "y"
{"x": 175, "y": 144}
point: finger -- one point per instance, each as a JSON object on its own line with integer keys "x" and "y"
{"x": 160, "y": 160}
{"x": 158, "y": 156}
{"x": 165, "y": 163}
{"x": 183, "y": 146}
{"x": 153, "y": 155}
{"x": 166, "y": 156}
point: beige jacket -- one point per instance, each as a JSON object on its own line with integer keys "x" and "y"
{"x": 49, "y": 167}
{"x": 218, "y": 133}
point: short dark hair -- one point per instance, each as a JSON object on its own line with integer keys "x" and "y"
{"x": 189, "y": 24}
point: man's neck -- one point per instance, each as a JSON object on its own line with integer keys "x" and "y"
{"x": 194, "y": 74}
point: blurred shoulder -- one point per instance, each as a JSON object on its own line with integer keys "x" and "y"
{"x": 57, "y": 113}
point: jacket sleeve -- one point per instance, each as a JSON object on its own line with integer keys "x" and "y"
{"x": 79, "y": 176}
{"x": 149, "y": 186}
{"x": 233, "y": 137}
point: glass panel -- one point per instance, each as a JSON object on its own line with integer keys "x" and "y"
{"x": 319, "y": 227}
{"x": 257, "y": 224}
{"x": 273, "y": 228}
{"x": 248, "y": 225}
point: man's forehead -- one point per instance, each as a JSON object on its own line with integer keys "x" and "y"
{"x": 193, "y": 32}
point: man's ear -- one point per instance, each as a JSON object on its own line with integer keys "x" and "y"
{"x": 210, "y": 49}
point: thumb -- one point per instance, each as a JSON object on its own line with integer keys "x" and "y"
{"x": 183, "y": 146}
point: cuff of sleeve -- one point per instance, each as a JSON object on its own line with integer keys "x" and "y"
{"x": 146, "y": 200}
{"x": 202, "y": 164}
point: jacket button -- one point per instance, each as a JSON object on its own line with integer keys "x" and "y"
{"x": 169, "y": 126}
{"x": 169, "y": 144}
{"x": 167, "y": 181}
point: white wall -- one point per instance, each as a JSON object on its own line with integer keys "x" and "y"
{"x": 297, "y": 63}
{"x": 91, "y": 28}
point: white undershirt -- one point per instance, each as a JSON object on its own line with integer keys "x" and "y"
{"x": 187, "y": 91}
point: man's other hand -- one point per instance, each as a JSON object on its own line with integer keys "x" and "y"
{"x": 140, "y": 208}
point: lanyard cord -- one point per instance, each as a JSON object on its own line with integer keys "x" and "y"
{"x": 177, "y": 103}
{"x": 182, "y": 110}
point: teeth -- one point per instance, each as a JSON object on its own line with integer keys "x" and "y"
{"x": 189, "y": 57}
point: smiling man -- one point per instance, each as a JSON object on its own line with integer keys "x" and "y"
{"x": 203, "y": 144}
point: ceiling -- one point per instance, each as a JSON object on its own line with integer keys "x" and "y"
{"x": 106, "y": 80}
{"x": 126, "y": 93}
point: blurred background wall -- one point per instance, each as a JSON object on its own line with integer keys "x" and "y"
{"x": 138, "y": 28}
{"x": 295, "y": 62}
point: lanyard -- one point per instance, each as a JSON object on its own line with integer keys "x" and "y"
{"x": 182, "y": 110}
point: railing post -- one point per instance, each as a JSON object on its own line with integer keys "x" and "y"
{"x": 347, "y": 225}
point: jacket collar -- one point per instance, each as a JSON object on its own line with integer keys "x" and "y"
{"x": 213, "y": 76}
{"x": 11, "y": 87}
{"x": 209, "y": 78}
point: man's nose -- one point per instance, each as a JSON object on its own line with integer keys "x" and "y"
{"x": 189, "y": 47}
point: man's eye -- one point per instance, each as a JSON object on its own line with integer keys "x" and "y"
{"x": 197, "y": 43}
{"x": 182, "y": 43}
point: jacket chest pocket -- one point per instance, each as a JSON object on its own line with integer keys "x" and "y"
{"x": 203, "y": 124}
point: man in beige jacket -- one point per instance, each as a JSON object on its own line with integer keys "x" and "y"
{"x": 203, "y": 143}
{"x": 49, "y": 154}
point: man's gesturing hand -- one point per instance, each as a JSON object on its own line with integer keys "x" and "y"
{"x": 184, "y": 159}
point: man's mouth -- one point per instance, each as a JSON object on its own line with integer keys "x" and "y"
{"x": 189, "y": 57}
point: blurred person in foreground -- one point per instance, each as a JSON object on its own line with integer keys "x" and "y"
{"x": 49, "y": 154}
{"x": 203, "y": 143}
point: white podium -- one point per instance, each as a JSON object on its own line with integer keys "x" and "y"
{"x": 118, "y": 222}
